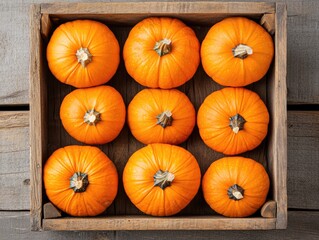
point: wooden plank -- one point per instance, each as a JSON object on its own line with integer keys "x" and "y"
{"x": 14, "y": 51}
{"x": 158, "y": 223}
{"x": 14, "y": 161}
{"x": 158, "y": 7}
{"x": 129, "y": 13}
{"x": 277, "y": 137}
{"x": 303, "y": 51}
{"x": 303, "y": 157}
{"x": 37, "y": 117}
{"x": 301, "y": 225}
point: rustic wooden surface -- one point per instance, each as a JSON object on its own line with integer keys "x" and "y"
{"x": 303, "y": 132}
{"x": 303, "y": 159}
{"x": 14, "y": 161}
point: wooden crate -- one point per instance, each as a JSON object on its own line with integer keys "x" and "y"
{"x": 47, "y": 133}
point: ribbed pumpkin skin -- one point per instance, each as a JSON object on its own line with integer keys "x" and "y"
{"x": 213, "y": 120}
{"x": 139, "y": 183}
{"x": 217, "y": 52}
{"x": 103, "y": 99}
{"x": 148, "y": 104}
{"x": 152, "y": 70}
{"x": 98, "y": 39}
{"x": 245, "y": 172}
{"x": 102, "y": 176}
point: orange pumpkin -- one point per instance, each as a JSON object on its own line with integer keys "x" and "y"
{"x": 161, "y": 116}
{"x": 233, "y": 120}
{"x": 235, "y": 186}
{"x": 161, "y": 52}
{"x": 93, "y": 115}
{"x": 161, "y": 179}
{"x": 236, "y": 52}
{"x": 80, "y": 180}
{"x": 83, "y": 53}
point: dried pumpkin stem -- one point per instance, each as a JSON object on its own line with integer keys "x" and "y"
{"x": 84, "y": 56}
{"x": 163, "y": 47}
{"x": 165, "y": 119}
{"x": 92, "y": 117}
{"x": 236, "y": 123}
{"x": 242, "y": 51}
{"x": 235, "y": 192}
{"x": 79, "y": 182}
{"x": 163, "y": 179}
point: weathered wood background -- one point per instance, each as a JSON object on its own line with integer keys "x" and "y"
{"x": 303, "y": 132}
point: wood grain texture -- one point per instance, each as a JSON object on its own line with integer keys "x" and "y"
{"x": 268, "y": 22}
{"x": 129, "y": 13}
{"x": 269, "y": 209}
{"x": 158, "y": 223}
{"x": 14, "y": 50}
{"x": 303, "y": 51}
{"x": 200, "y": 7}
{"x": 14, "y": 161}
{"x": 37, "y": 116}
{"x": 303, "y": 157}
{"x": 301, "y": 225}
{"x": 277, "y": 144}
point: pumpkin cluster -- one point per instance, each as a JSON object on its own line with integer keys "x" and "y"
{"x": 235, "y": 53}
{"x": 161, "y": 54}
{"x": 85, "y": 54}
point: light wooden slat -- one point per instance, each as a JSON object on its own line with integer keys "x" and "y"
{"x": 277, "y": 137}
{"x": 301, "y": 225}
{"x": 303, "y": 159}
{"x": 158, "y": 7}
{"x": 37, "y": 117}
{"x": 130, "y": 13}
{"x": 14, "y": 161}
{"x": 158, "y": 223}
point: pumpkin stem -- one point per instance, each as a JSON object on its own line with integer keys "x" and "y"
{"x": 163, "y": 47}
{"x": 235, "y": 192}
{"x": 165, "y": 119}
{"x": 84, "y": 56}
{"x": 242, "y": 51}
{"x": 92, "y": 117}
{"x": 163, "y": 179}
{"x": 237, "y": 123}
{"x": 79, "y": 182}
